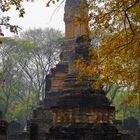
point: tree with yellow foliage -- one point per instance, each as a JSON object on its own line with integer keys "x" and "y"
{"x": 116, "y": 58}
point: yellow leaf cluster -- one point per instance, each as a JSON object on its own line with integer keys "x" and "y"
{"x": 131, "y": 100}
{"x": 117, "y": 59}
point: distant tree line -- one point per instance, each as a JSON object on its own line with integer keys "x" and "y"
{"x": 24, "y": 64}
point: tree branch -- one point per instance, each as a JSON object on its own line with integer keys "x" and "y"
{"x": 130, "y": 25}
{"x": 132, "y": 5}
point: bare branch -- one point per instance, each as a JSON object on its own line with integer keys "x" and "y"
{"x": 130, "y": 25}
{"x": 136, "y": 2}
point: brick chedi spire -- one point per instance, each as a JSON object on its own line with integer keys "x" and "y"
{"x": 76, "y": 31}
{"x": 76, "y": 18}
{"x": 76, "y": 41}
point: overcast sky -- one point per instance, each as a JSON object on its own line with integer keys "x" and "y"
{"x": 38, "y": 16}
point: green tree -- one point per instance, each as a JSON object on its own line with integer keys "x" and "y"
{"x": 24, "y": 65}
{"x": 12, "y": 84}
{"x": 123, "y": 110}
{"x": 44, "y": 57}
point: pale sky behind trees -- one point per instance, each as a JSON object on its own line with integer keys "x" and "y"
{"x": 37, "y": 16}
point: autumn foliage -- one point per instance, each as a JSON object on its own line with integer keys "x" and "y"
{"x": 116, "y": 58}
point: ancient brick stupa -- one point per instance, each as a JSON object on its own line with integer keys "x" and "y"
{"x": 79, "y": 112}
